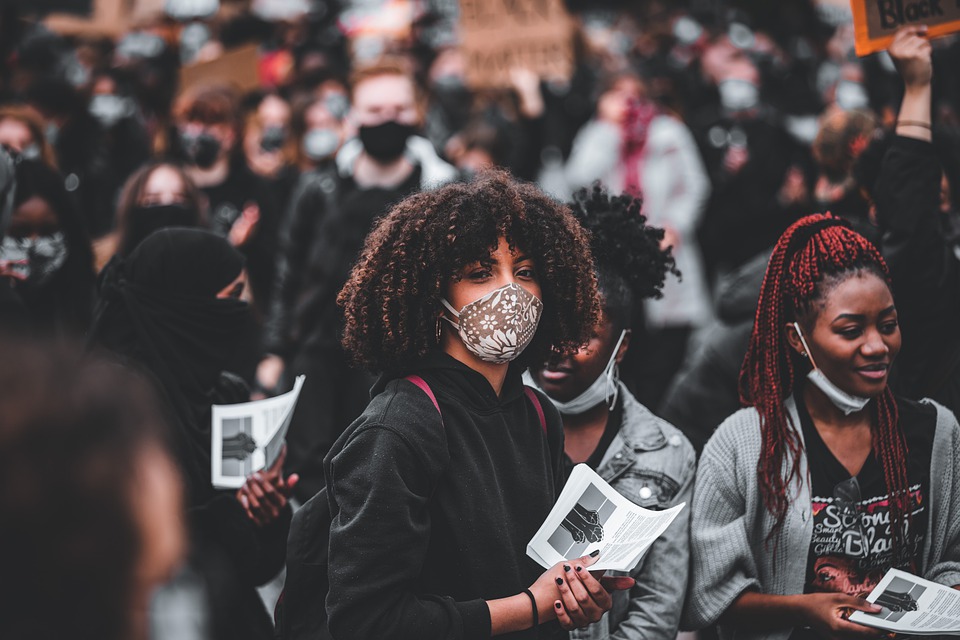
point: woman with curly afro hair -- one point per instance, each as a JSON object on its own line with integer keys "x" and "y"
{"x": 643, "y": 457}
{"x": 437, "y": 487}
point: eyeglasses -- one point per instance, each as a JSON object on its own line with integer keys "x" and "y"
{"x": 846, "y": 496}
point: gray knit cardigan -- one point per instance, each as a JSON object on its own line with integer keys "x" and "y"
{"x": 729, "y": 523}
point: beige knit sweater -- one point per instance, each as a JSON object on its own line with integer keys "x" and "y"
{"x": 729, "y": 523}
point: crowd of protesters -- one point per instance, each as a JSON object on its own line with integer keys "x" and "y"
{"x": 719, "y": 264}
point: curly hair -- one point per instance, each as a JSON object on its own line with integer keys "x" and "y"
{"x": 811, "y": 258}
{"x": 630, "y": 263}
{"x": 392, "y": 299}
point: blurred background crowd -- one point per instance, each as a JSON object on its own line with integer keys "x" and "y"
{"x": 288, "y": 126}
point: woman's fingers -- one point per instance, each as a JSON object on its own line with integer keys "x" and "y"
{"x": 277, "y": 465}
{"x": 563, "y": 617}
{"x": 852, "y": 629}
{"x": 255, "y": 505}
{"x": 570, "y": 601}
{"x": 272, "y": 496}
{"x": 599, "y": 596}
{"x": 290, "y": 483}
{"x": 587, "y": 606}
{"x": 859, "y": 604}
{"x": 249, "y": 503}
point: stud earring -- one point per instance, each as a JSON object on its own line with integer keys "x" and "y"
{"x": 803, "y": 354}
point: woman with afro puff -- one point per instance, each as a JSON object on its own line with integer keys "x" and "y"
{"x": 437, "y": 487}
{"x": 643, "y": 457}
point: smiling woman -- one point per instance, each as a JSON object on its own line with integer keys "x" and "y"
{"x": 830, "y": 479}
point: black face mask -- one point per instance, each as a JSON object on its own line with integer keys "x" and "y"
{"x": 142, "y": 221}
{"x": 201, "y": 150}
{"x": 386, "y": 142}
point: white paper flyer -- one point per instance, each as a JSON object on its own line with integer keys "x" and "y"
{"x": 591, "y": 515}
{"x": 913, "y": 606}
{"x": 249, "y": 436}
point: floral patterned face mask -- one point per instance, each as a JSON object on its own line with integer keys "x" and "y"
{"x": 499, "y": 326}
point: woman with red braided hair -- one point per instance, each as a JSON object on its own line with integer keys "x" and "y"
{"x": 806, "y": 498}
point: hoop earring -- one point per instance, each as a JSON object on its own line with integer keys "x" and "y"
{"x": 439, "y": 329}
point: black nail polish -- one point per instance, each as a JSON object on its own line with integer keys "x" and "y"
{"x": 579, "y": 568}
{"x": 559, "y": 581}
{"x": 566, "y": 567}
{"x": 595, "y": 553}
{"x": 558, "y": 605}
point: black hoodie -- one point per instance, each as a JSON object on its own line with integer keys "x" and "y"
{"x": 432, "y": 518}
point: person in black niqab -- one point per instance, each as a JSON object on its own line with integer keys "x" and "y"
{"x": 160, "y": 308}
{"x": 173, "y": 307}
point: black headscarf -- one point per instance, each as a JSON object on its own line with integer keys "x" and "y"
{"x": 159, "y": 308}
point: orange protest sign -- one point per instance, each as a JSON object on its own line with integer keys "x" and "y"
{"x": 498, "y": 35}
{"x": 875, "y": 21}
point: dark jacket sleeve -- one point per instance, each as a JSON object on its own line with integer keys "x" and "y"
{"x": 257, "y": 553}
{"x": 924, "y": 273}
{"x": 907, "y": 197}
{"x": 380, "y": 483}
{"x": 294, "y": 240}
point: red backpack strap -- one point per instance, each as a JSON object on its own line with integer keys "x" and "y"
{"x": 535, "y": 401}
{"x": 420, "y": 382}
{"x": 530, "y": 393}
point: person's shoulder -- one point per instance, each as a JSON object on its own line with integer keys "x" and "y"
{"x": 406, "y": 408}
{"x": 640, "y": 420}
{"x": 909, "y": 409}
{"x": 739, "y": 434}
{"x": 553, "y": 422}
{"x": 400, "y": 417}
{"x": 946, "y": 420}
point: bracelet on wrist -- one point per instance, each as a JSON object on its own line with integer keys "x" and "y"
{"x": 533, "y": 604}
{"x": 914, "y": 123}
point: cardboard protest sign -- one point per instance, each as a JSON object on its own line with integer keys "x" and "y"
{"x": 238, "y": 67}
{"x": 104, "y": 18}
{"x": 875, "y": 21}
{"x": 108, "y": 18}
{"x": 498, "y": 35}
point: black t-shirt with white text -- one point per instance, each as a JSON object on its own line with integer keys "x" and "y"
{"x": 852, "y": 547}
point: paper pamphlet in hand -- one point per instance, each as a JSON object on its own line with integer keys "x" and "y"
{"x": 591, "y": 515}
{"x": 912, "y": 605}
{"x": 249, "y": 436}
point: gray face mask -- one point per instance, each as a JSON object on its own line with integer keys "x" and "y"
{"x": 320, "y": 143}
{"x": 110, "y": 109}
{"x": 846, "y": 402}
{"x": 34, "y": 260}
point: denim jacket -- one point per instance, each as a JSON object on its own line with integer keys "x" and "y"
{"x": 651, "y": 463}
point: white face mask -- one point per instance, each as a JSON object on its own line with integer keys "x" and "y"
{"x": 498, "y": 326}
{"x": 606, "y": 388}
{"x": 851, "y": 95}
{"x": 841, "y": 399}
{"x": 738, "y": 95}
